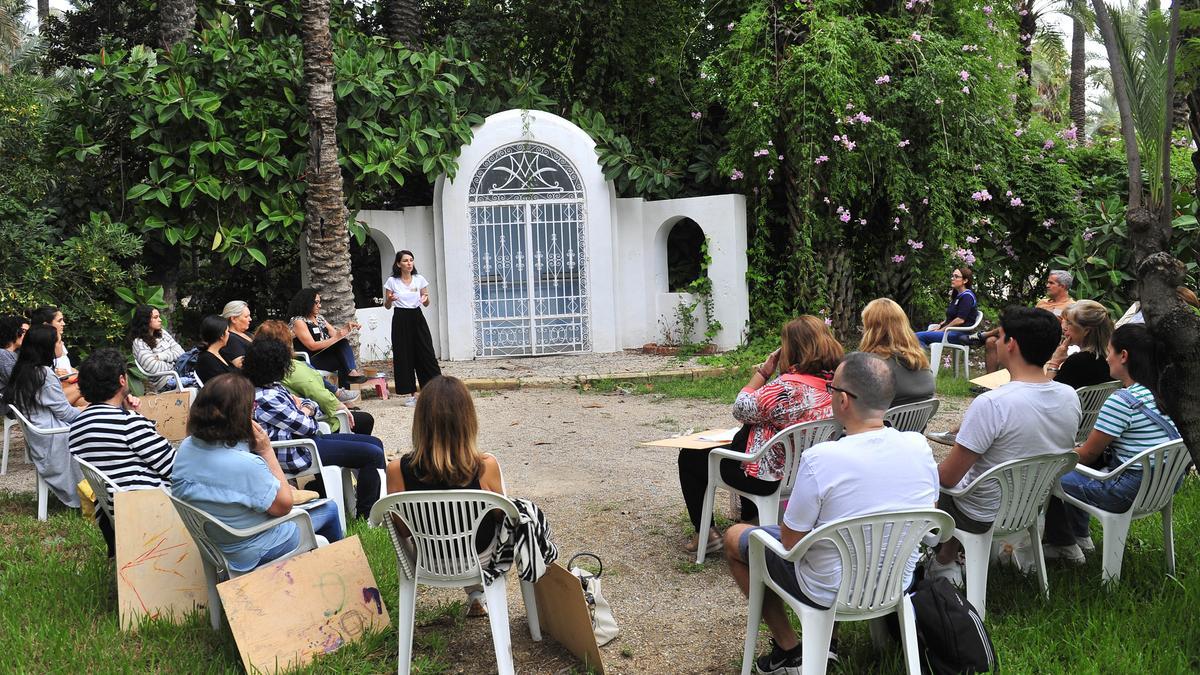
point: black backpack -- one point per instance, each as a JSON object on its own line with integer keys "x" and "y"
{"x": 950, "y": 635}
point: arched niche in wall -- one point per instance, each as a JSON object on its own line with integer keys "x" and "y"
{"x": 685, "y": 254}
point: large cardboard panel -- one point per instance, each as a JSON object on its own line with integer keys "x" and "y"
{"x": 563, "y": 614}
{"x": 169, "y": 412}
{"x": 159, "y": 571}
{"x": 993, "y": 380}
{"x": 691, "y": 441}
{"x": 285, "y": 613}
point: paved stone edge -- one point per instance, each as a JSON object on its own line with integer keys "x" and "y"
{"x": 510, "y": 383}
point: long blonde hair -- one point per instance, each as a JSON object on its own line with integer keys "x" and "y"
{"x": 808, "y": 347}
{"x": 444, "y": 432}
{"x": 886, "y": 332}
{"x": 1097, "y": 325}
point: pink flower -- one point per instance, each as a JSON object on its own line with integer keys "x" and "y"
{"x": 966, "y": 255}
{"x": 1088, "y": 234}
{"x": 770, "y": 174}
{"x": 915, "y": 37}
{"x": 731, "y": 25}
{"x": 1008, "y": 193}
{"x": 696, "y": 115}
{"x": 836, "y": 138}
{"x": 966, "y": 90}
{"x": 1048, "y": 144}
{"x": 1070, "y": 134}
{"x": 651, "y": 80}
{"x": 987, "y": 10}
{"x": 780, "y": 158}
{"x": 821, "y": 159}
{"x": 937, "y": 101}
{"x": 972, "y": 240}
{"x": 883, "y": 79}
{"x": 964, "y": 75}
{"x": 925, "y": 201}
{"x": 916, "y": 245}
{"x": 903, "y": 207}
{"x": 1048, "y": 223}
{"x": 826, "y": 200}
{"x": 762, "y": 152}
{"x": 981, "y": 196}
{"x": 896, "y": 220}
{"x": 828, "y": 322}
{"x": 1018, "y": 132}
{"x": 845, "y": 217}
{"x": 849, "y": 144}
{"x": 862, "y": 221}
{"x": 736, "y": 175}
{"x": 904, "y": 143}
{"x": 897, "y": 259}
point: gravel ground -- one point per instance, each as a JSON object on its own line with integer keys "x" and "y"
{"x": 576, "y": 455}
{"x": 628, "y": 361}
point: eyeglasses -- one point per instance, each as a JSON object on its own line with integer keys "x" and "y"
{"x": 956, "y": 275}
{"x": 830, "y": 388}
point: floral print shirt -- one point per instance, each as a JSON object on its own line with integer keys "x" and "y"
{"x": 786, "y": 400}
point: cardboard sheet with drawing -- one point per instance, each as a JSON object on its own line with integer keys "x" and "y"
{"x": 159, "y": 571}
{"x": 701, "y": 440}
{"x": 283, "y": 614}
{"x": 169, "y": 411}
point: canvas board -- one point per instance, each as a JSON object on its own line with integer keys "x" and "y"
{"x": 169, "y": 411}
{"x": 691, "y": 441}
{"x": 993, "y": 380}
{"x": 159, "y": 572}
{"x": 563, "y": 615}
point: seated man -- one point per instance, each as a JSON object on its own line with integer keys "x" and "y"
{"x": 1031, "y": 415}
{"x": 111, "y": 436}
{"x": 873, "y": 468}
{"x": 1058, "y": 298}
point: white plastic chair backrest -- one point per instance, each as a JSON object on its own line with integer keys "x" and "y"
{"x": 1162, "y": 467}
{"x": 303, "y": 356}
{"x": 314, "y": 469}
{"x": 959, "y": 329}
{"x": 29, "y": 427}
{"x": 1025, "y": 486}
{"x": 886, "y": 542}
{"x": 443, "y": 525}
{"x": 798, "y": 438}
{"x": 196, "y": 521}
{"x": 1091, "y": 399}
{"x": 100, "y": 484}
{"x": 912, "y": 416}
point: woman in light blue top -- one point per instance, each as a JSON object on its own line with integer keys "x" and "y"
{"x": 1130, "y": 421}
{"x": 227, "y": 468}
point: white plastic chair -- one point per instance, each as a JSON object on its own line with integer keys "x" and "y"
{"x": 886, "y": 542}
{"x": 100, "y": 484}
{"x": 157, "y": 378}
{"x": 912, "y": 416}
{"x": 9, "y": 423}
{"x": 1091, "y": 399}
{"x": 1163, "y": 466}
{"x": 216, "y": 565}
{"x": 1025, "y": 486}
{"x": 441, "y": 553}
{"x": 28, "y": 428}
{"x": 338, "y": 481}
{"x": 795, "y": 439}
{"x": 935, "y": 349}
{"x": 303, "y": 356}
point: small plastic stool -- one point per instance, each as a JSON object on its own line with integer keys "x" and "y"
{"x": 380, "y": 384}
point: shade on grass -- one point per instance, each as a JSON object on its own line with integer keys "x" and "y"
{"x": 58, "y": 611}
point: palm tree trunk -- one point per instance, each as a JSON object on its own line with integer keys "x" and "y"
{"x": 43, "y": 13}
{"x": 403, "y": 22}
{"x": 1027, "y": 26}
{"x": 1078, "y": 75}
{"x": 325, "y": 215}
{"x": 176, "y": 20}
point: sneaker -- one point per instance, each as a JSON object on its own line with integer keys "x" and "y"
{"x": 410, "y": 402}
{"x": 976, "y": 339}
{"x": 356, "y": 379}
{"x": 346, "y": 395}
{"x": 943, "y": 437}
{"x": 1070, "y": 553}
{"x": 951, "y": 571}
{"x": 1086, "y": 544}
{"x": 779, "y": 661}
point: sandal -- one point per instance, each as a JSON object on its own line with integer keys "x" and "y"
{"x": 476, "y": 606}
{"x": 715, "y": 542}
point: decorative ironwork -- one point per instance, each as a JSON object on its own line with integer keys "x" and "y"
{"x": 528, "y": 254}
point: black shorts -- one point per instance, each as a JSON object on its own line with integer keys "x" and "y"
{"x": 782, "y": 571}
{"x": 961, "y": 521}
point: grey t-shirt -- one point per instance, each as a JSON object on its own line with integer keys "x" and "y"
{"x": 7, "y": 361}
{"x": 1017, "y": 420}
{"x": 911, "y": 385}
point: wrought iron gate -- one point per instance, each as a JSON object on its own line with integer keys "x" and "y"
{"x": 528, "y": 254}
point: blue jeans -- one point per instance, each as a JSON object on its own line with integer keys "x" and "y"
{"x": 339, "y": 358}
{"x": 1066, "y": 523}
{"x": 928, "y": 337}
{"x": 325, "y": 522}
{"x": 355, "y": 451}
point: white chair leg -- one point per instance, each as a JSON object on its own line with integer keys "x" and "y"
{"x": 7, "y": 440}
{"x": 816, "y": 632}
{"x": 349, "y": 494}
{"x": 706, "y": 515}
{"x": 755, "y": 601}
{"x": 768, "y": 509}
{"x": 935, "y": 358}
{"x": 214, "y": 598}
{"x": 43, "y": 498}
{"x": 497, "y": 606}
{"x": 1039, "y": 561}
{"x": 908, "y": 636}
{"x": 976, "y": 548}
{"x": 406, "y": 621}
{"x": 1116, "y": 530}
{"x": 1168, "y": 538}
{"x": 331, "y": 476}
{"x": 531, "y": 611}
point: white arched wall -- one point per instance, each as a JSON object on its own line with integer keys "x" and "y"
{"x": 453, "y": 240}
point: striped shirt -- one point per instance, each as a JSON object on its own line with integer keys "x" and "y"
{"x": 1133, "y": 432}
{"x": 122, "y": 445}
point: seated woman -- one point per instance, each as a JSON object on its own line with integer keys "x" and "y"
{"x": 35, "y": 390}
{"x": 154, "y": 350}
{"x": 67, "y": 374}
{"x": 806, "y": 360}
{"x": 1122, "y": 430}
{"x": 214, "y": 335}
{"x": 285, "y": 417}
{"x": 227, "y": 468}
{"x": 238, "y": 314}
{"x": 1087, "y": 326}
{"x": 446, "y": 456}
{"x": 886, "y": 333}
{"x": 960, "y": 312}
{"x": 12, "y": 333}
{"x": 325, "y": 345}
{"x": 303, "y": 381}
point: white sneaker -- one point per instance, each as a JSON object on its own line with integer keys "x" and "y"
{"x": 346, "y": 395}
{"x": 1070, "y": 553}
{"x": 943, "y": 437}
{"x": 1086, "y": 544}
{"x": 951, "y": 571}
{"x": 410, "y": 402}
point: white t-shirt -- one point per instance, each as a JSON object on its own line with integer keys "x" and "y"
{"x": 407, "y": 297}
{"x": 1017, "y": 420}
{"x": 885, "y": 470}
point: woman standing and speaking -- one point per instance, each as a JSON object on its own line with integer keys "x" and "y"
{"x": 412, "y": 346}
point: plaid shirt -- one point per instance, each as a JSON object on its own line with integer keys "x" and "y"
{"x": 283, "y": 420}
{"x": 786, "y": 400}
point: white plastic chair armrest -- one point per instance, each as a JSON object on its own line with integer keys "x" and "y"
{"x": 957, "y": 492}
{"x": 314, "y": 467}
{"x": 717, "y": 454}
{"x": 1108, "y": 475}
{"x": 304, "y": 522}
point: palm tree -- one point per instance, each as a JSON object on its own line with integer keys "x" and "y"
{"x": 325, "y": 215}
{"x": 176, "y": 19}
{"x": 1078, "y": 100}
{"x": 403, "y": 21}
